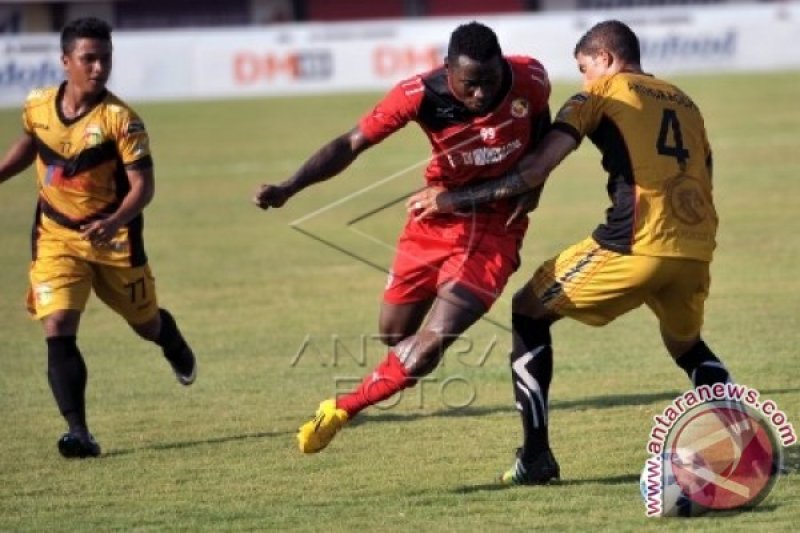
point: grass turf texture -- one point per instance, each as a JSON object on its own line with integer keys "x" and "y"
{"x": 277, "y": 317}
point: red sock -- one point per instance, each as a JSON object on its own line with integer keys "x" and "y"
{"x": 389, "y": 377}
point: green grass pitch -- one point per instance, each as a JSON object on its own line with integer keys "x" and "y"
{"x": 279, "y": 320}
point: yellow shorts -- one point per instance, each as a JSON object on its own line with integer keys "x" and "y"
{"x": 594, "y": 286}
{"x": 64, "y": 282}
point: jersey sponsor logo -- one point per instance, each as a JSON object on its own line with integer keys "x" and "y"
{"x": 55, "y": 176}
{"x": 485, "y": 155}
{"x": 488, "y": 134}
{"x": 39, "y": 126}
{"x": 520, "y": 108}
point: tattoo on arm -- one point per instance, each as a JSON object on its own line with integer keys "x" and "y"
{"x": 497, "y": 189}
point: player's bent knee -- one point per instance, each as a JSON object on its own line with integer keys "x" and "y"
{"x": 148, "y": 330}
{"x": 391, "y": 338}
{"x": 526, "y": 302}
{"x": 61, "y": 323}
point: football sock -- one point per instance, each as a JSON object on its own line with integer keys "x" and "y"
{"x": 531, "y": 372}
{"x": 388, "y": 378}
{"x": 66, "y": 372}
{"x": 703, "y": 367}
{"x": 173, "y": 344}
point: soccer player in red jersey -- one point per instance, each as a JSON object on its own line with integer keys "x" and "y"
{"x": 481, "y": 111}
{"x": 653, "y": 249}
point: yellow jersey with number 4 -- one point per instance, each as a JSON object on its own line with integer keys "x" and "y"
{"x": 659, "y": 163}
{"x": 81, "y": 169}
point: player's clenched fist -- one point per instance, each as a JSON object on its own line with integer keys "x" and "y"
{"x": 271, "y": 196}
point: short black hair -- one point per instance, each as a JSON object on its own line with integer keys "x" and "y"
{"x": 614, "y": 36}
{"x": 84, "y": 28}
{"x": 474, "y": 40}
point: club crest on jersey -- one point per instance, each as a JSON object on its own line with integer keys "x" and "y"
{"x": 44, "y": 294}
{"x": 520, "y": 108}
{"x": 93, "y": 135}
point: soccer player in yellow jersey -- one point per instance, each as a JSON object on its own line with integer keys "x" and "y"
{"x": 654, "y": 247}
{"x": 95, "y": 176}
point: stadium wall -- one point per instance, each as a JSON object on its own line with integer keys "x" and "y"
{"x": 322, "y": 58}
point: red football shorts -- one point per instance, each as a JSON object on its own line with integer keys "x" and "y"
{"x": 477, "y": 251}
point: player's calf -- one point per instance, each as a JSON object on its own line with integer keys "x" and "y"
{"x": 176, "y": 349}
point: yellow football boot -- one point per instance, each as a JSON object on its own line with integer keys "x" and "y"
{"x": 318, "y": 432}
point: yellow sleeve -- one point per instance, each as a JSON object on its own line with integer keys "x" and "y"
{"x": 133, "y": 142}
{"x": 26, "y": 110}
{"x": 581, "y": 113}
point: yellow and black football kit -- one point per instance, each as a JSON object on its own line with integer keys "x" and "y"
{"x": 81, "y": 171}
{"x": 659, "y": 235}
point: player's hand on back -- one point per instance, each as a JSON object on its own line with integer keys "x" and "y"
{"x": 271, "y": 196}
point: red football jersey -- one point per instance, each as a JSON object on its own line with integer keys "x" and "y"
{"x": 467, "y": 147}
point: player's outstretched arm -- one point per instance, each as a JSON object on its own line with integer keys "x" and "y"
{"x": 18, "y": 157}
{"x": 531, "y": 173}
{"x": 326, "y": 163}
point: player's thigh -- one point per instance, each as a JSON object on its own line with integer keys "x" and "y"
{"x": 420, "y": 252}
{"x": 130, "y": 291}
{"x": 485, "y": 268}
{"x": 593, "y": 285}
{"x": 57, "y": 284}
{"x": 679, "y": 303}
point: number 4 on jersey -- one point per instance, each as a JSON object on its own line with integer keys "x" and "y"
{"x": 669, "y": 122}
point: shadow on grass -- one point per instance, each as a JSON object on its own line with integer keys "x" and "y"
{"x": 591, "y": 402}
{"x": 609, "y": 480}
{"x": 199, "y": 442}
